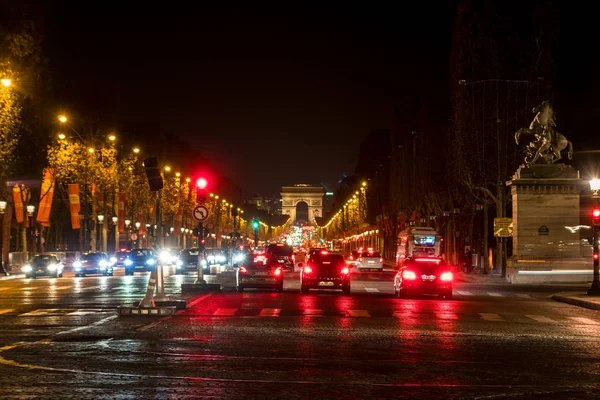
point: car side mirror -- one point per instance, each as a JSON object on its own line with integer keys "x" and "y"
{"x": 300, "y": 265}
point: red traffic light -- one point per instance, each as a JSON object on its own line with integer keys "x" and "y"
{"x": 596, "y": 213}
{"x": 201, "y": 183}
{"x": 596, "y": 256}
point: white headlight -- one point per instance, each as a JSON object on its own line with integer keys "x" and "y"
{"x": 103, "y": 263}
{"x": 179, "y": 263}
{"x": 127, "y": 262}
{"x": 150, "y": 262}
{"x": 239, "y": 257}
{"x": 222, "y": 259}
{"x": 211, "y": 258}
{"x": 52, "y": 267}
{"x": 203, "y": 262}
{"x": 113, "y": 260}
{"x": 77, "y": 264}
{"x": 27, "y": 268}
{"x": 164, "y": 256}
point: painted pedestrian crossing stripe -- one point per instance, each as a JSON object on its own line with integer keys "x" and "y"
{"x": 6, "y": 310}
{"x": 372, "y": 290}
{"x": 270, "y": 312}
{"x": 585, "y": 321}
{"x": 464, "y": 293}
{"x": 541, "y": 318}
{"x": 56, "y": 312}
{"x": 495, "y": 295}
{"x": 491, "y": 317}
{"x": 359, "y": 313}
{"x": 225, "y": 312}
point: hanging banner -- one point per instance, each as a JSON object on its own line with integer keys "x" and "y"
{"x": 178, "y": 221}
{"x": 74, "y": 205}
{"x": 142, "y": 218}
{"x": 18, "y": 200}
{"x": 121, "y": 212}
{"x": 46, "y": 196}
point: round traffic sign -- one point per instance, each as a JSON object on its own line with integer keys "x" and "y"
{"x": 200, "y": 213}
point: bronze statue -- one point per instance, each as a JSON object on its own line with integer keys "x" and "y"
{"x": 547, "y": 143}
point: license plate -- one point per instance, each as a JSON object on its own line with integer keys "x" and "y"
{"x": 281, "y": 261}
{"x": 428, "y": 277}
{"x": 371, "y": 262}
{"x": 261, "y": 273}
{"x": 325, "y": 283}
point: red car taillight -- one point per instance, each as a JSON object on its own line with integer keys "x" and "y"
{"x": 360, "y": 259}
{"x": 293, "y": 258}
{"x": 277, "y": 271}
{"x": 345, "y": 271}
{"x": 381, "y": 260}
{"x": 307, "y": 270}
{"x": 351, "y": 258}
{"x": 409, "y": 275}
{"x": 447, "y": 276}
{"x": 243, "y": 270}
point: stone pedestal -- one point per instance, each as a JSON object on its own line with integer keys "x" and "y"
{"x": 546, "y": 241}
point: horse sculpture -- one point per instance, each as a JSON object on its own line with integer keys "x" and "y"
{"x": 547, "y": 143}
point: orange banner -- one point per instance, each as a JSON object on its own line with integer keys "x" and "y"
{"x": 74, "y": 205}
{"x": 46, "y": 196}
{"x": 121, "y": 212}
{"x": 19, "y": 209}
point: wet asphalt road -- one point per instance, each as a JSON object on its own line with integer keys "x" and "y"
{"x": 61, "y": 339}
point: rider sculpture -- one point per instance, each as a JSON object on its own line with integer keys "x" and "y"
{"x": 547, "y": 143}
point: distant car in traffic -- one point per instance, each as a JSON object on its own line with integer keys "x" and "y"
{"x": 261, "y": 272}
{"x": 424, "y": 275}
{"x": 93, "y": 263}
{"x": 325, "y": 270}
{"x": 283, "y": 253}
{"x": 140, "y": 260}
{"x": 370, "y": 260}
{"x": 215, "y": 257}
{"x": 119, "y": 258}
{"x": 240, "y": 256}
{"x": 43, "y": 265}
{"x": 188, "y": 260}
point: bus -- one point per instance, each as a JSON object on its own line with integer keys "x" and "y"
{"x": 418, "y": 241}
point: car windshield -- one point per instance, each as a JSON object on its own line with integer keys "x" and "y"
{"x": 280, "y": 250}
{"x": 371, "y": 254}
{"x": 261, "y": 261}
{"x": 43, "y": 260}
{"x": 92, "y": 257}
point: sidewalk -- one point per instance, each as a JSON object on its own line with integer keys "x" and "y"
{"x": 580, "y": 299}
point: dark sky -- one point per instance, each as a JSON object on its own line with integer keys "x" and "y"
{"x": 280, "y": 94}
{"x": 272, "y": 95}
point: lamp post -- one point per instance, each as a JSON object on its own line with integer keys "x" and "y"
{"x": 595, "y": 187}
{"x": 2, "y": 211}
{"x": 127, "y": 224}
{"x": 137, "y": 226}
{"x": 114, "y": 221}
{"x": 180, "y": 239}
{"x": 100, "y": 232}
{"x": 30, "y": 211}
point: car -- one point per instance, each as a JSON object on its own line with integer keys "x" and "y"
{"x": 424, "y": 275}
{"x": 119, "y": 258}
{"x": 240, "y": 256}
{"x": 314, "y": 250}
{"x": 44, "y": 265}
{"x": 325, "y": 270}
{"x": 188, "y": 260}
{"x": 283, "y": 253}
{"x": 140, "y": 260}
{"x": 93, "y": 263}
{"x": 215, "y": 257}
{"x": 168, "y": 257}
{"x": 352, "y": 258}
{"x": 260, "y": 272}
{"x": 370, "y": 260}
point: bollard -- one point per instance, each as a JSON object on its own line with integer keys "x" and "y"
{"x": 160, "y": 284}
{"x": 148, "y": 301}
{"x": 200, "y": 279}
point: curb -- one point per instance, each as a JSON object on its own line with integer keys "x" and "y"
{"x": 576, "y": 302}
{"x": 11, "y": 277}
{"x": 146, "y": 311}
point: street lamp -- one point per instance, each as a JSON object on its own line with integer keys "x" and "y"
{"x": 112, "y": 137}
{"x": 3, "y": 205}
{"x": 30, "y": 211}
{"x": 62, "y": 136}
{"x": 62, "y": 118}
{"x": 100, "y": 231}
{"x": 6, "y": 82}
{"x": 595, "y": 187}
{"x": 136, "y": 150}
{"x": 137, "y": 225}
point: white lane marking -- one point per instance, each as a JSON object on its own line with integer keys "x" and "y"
{"x": 270, "y": 312}
{"x": 464, "y": 293}
{"x": 6, "y": 310}
{"x": 225, "y": 312}
{"x": 102, "y": 321}
{"x": 199, "y": 299}
{"x": 444, "y": 315}
{"x": 542, "y": 319}
{"x": 86, "y": 311}
{"x": 524, "y": 296}
{"x": 491, "y": 317}
{"x": 586, "y": 321}
{"x": 371, "y": 289}
{"x": 90, "y": 288}
{"x": 312, "y": 311}
{"x": 359, "y": 313}
{"x": 495, "y": 294}
{"x": 40, "y": 312}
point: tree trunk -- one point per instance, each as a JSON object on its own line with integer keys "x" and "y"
{"x": 486, "y": 262}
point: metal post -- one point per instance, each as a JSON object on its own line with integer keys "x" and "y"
{"x": 160, "y": 287}
{"x": 595, "y": 288}
{"x": 2, "y": 269}
{"x": 200, "y": 279}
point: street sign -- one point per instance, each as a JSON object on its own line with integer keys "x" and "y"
{"x": 133, "y": 236}
{"x": 503, "y": 227}
{"x": 201, "y": 213}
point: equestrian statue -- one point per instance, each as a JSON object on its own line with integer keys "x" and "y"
{"x": 547, "y": 143}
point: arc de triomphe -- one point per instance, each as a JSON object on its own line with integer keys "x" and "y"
{"x": 312, "y": 195}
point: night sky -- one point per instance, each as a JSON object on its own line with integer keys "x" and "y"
{"x": 275, "y": 95}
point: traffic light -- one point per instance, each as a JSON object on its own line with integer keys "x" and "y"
{"x": 201, "y": 189}
{"x": 153, "y": 173}
{"x": 255, "y": 225}
{"x": 596, "y": 216}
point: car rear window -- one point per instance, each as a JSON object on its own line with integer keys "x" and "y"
{"x": 260, "y": 261}
{"x": 372, "y": 254}
{"x": 426, "y": 263}
{"x": 280, "y": 251}
{"x": 333, "y": 259}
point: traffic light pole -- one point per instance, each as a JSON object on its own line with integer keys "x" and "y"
{"x": 595, "y": 288}
{"x": 160, "y": 287}
{"x": 200, "y": 280}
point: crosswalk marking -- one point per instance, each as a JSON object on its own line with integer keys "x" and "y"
{"x": 225, "y": 311}
{"x": 446, "y": 316}
{"x": 270, "y": 312}
{"x": 50, "y": 312}
{"x": 491, "y": 317}
{"x": 371, "y": 290}
{"x": 495, "y": 294}
{"x": 586, "y": 321}
{"x": 524, "y": 296}
{"x": 40, "y": 313}
{"x": 464, "y": 293}
{"x": 358, "y": 313}
{"x": 6, "y": 310}
{"x": 312, "y": 311}
{"x": 541, "y": 318}
{"x": 85, "y": 311}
